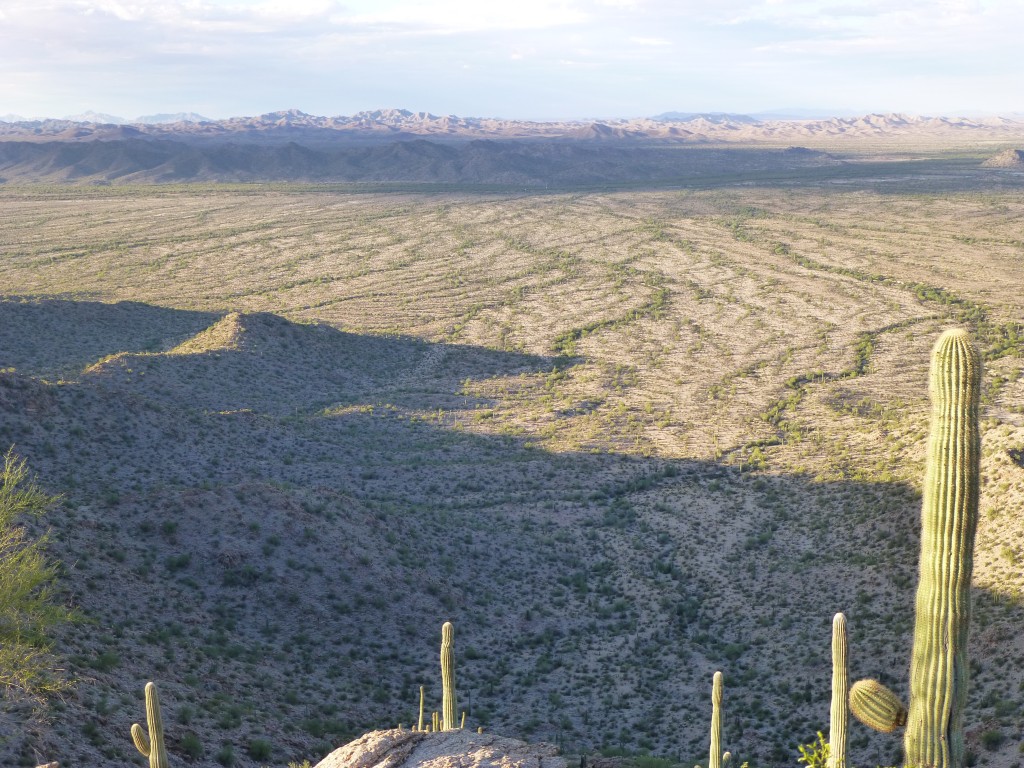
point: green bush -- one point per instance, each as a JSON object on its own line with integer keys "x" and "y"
{"x": 28, "y": 611}
{"x": 226, "y": 756}
{"x": 259, "y": 749}
{"x": 191, "y": 745}
{"x": 993, "y": 739}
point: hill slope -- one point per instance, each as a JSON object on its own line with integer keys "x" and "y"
{"x": 621, "y": 441}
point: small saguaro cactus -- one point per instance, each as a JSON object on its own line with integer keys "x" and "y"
{"x": 153, "y": 745}
{"x": 447, "y": 677}
{"x": 949, "y": 518}
{"x": 839, "y": 712}
{"x": 419, "y": 726}
{"x": 715, "y": 757}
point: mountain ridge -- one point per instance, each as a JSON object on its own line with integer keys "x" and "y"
{"x": 389, "y": 124}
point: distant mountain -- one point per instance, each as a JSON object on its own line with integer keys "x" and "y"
{"x": 400, "y": 145}
{"x": 387, "y": 125}
{"x": 798, "y": 113}
{"x": 711, "y": 117}
{"x": 175, "y": 117}
{"x": 12, "y": 118}
{"x": 100, "y": 118}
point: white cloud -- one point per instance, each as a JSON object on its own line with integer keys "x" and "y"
{"x": 470, "y": 15}
{"x": 650, "y": 42}
{"x": 267, "y": 53}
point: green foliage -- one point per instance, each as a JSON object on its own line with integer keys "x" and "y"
{"x": 259, "y": 749}
{"x": 226, "y": 756}
{"x": 28, "y": 608}
{"x": 565, "y": 343}
{"x": 191, "y": 746}
{"x": 816, "y": 753}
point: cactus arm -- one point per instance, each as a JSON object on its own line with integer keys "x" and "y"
{"x": 447, "y": 677}
{"x": 876, "y": 706}
{"x": 140, "y": 739}
{"x": 715, "y": 757}
{"x": 839, "y": 712}
{"x": 949, "y": 519}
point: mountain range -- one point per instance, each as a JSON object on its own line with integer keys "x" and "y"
{"x": 397, "y": 124}
{"x": 395, "y": 145}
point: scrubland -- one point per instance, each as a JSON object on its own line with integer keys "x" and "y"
{"x": 620, "y": 438}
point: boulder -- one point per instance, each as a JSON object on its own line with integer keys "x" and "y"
{"x": 444, "y": 749}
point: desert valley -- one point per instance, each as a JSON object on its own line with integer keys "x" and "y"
{"x": 627, "y": 403}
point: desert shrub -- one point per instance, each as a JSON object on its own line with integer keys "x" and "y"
{"x": 814, "y": 754}
{"x": 191, "y": 746}
{"x": 226, "y": 756}
{"x": 259, "y": 749}
{"x": 28, "y": 611}
{"x": 992, "y": 739}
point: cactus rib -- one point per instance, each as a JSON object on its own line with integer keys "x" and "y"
{"x": 839, "y": 712}
{"x": 949, "y": 519}
{"x": 447, "y": 677}
{"x": 715, "y": 757}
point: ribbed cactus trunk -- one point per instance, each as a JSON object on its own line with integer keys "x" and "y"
{"x": 715, "y": 756}
{"x": 153, "y": 745}
{"x": 447, "y": 677}
{"x": 949, "y": 519}
{"x": 839, "y": 713}
{"x": 419, "y": 725}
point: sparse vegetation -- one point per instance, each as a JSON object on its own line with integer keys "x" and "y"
{"x": 293, "y": 426}
{"x": 29, "y": 609}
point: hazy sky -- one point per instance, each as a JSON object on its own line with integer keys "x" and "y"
{"x": 534, "y": 59}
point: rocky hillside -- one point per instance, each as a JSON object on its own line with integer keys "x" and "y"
{"x": 620, "y": 440}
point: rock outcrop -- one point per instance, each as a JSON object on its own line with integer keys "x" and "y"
{"x": 444, "y": 749}
{"x": 1010, "y": 158}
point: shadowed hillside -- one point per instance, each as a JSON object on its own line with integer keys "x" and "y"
{"x": 620, "y": 441}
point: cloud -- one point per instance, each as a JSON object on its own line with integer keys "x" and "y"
{"x": 650, "y": 42}
{"x": 243, "y": 56}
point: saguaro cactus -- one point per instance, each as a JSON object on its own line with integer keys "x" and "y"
{"x": 447, "y": 677}
{"x": 839, "y": 712}
{"x": 949, "y": 519}
{"x": 153, "y": 746}
{"x": 949, "y": 516}
{"x": 715, "y": 757}
{"x": 419, "y": 726}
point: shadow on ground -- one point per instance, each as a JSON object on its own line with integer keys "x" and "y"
{"x": 273, "y": 520}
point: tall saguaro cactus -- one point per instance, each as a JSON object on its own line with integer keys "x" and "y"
{"x": 839, "y": 712}
{"x": 715, "y": 757}
{"x": 153, "y": 745}
{"x": 949, "y": 519}
{"x": 447, "y": 677}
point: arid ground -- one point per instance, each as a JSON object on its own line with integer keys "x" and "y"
{"x": 620, "y": 438}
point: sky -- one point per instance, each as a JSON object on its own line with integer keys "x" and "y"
{"x": 521, "y": 59}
